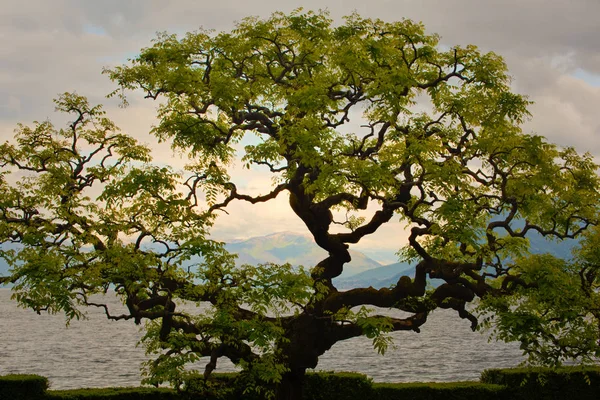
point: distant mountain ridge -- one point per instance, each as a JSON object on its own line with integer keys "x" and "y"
{"x": 388, "y": 275}
{"x": 362, "y": 271}
{"x": 380, "y": 277}
{"x": 293, "y": 248}
{"x": 281, "y": 248}
{"x": 3, "y": 267}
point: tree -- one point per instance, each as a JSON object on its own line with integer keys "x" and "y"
{"x": 555, "y": 312}
{"x": 84, "y": 211}
{"x": 367, "y": 119}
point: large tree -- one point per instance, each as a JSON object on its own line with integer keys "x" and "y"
{"x": 369, "y": 120}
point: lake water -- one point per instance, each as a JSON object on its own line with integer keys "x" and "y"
{"x": 101, "y": 353}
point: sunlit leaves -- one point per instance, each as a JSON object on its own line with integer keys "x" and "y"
{"x": 553, "y": 309}
{"x": 87, "y": 213}
{"x": 360, "y": 116}
{"x": 290, "y": 81}
{"x": 293, "y": 77}
{"x": 366, "y": 114}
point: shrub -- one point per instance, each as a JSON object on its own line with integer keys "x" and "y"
{"x": 318, "y": 386}
{"x": 23, "y": 387}
{"x": 220, "y": 387}
{"x": 496, "y": 384}
{"x": 439, "y": 391}
{"x": 338, "y": 386}
{"x": 133, "y": 393}
{"x": 579, "y": 383}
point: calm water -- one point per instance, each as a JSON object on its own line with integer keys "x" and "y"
{"x": 100, "y": 353}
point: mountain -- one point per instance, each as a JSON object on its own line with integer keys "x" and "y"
{"x": 362, "y": 271}
{"x": 389, "y": 274}
{"x": 293, "y": 248}
{"x": 3, "y": 267}
{"x": 280, "y": 248}
{"x": 376, "y": 277}
{"x": 4, "y": 272}
{"x": 558, "y": 248}
{"x": 3, "y": 263}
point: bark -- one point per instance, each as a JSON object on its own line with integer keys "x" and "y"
{"x": 308, "y": 337}
{"x": 292, "y": 385}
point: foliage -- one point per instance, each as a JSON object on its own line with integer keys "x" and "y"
{"x": 547, "y": 383}
{"x": 218, "y": 387}
{"x": 91, "y": 215}
{"x": 555, "y": 312}
{"x": 373, "y": 327}
{"x": 366, "y": 119}
{"x": 23, "y": 387}
{"x": 497, "y": 384}
{"x": 318, "y": 385}
{"x": 441, "y": 391}
{"x": 337, "y": 385}
{"x": 115, "y": 394}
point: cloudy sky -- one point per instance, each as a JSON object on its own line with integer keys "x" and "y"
{"x": 552, "y": 49}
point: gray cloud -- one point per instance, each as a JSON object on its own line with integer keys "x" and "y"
{"x": 61, "y": 45}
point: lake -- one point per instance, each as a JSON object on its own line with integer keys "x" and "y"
{"x": 101, "y": 353}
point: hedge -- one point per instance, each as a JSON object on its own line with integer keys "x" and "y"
{"x": 581, "y": 383}
{"x": 133, "y": 393}
{"x": 439, "y": 391}
{"x": 338, "y": 386}
{"x": 318, "y": 386}
{"x": 497, "y": 384}
{"x": 23, "y": 387}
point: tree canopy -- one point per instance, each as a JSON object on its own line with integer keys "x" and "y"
{"x": 555, "y": 312}
{"x": 368, "y": 119}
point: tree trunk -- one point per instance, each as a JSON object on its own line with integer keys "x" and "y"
{"x": 291, "y": 386}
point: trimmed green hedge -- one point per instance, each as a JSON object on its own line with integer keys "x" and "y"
{"x": 581, "y": 383}
{"x": 133, "y": 393}
{"x": 338, "y": 386}
{"x": 23, "y": 387}
{"x": 221, "y": 386}
{"x": 439, "y": 391}
{"x": 318, "y": 386}
{"x": 497, "y": 384}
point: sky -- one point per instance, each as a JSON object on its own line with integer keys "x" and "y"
{"x": 551, "y": 47}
